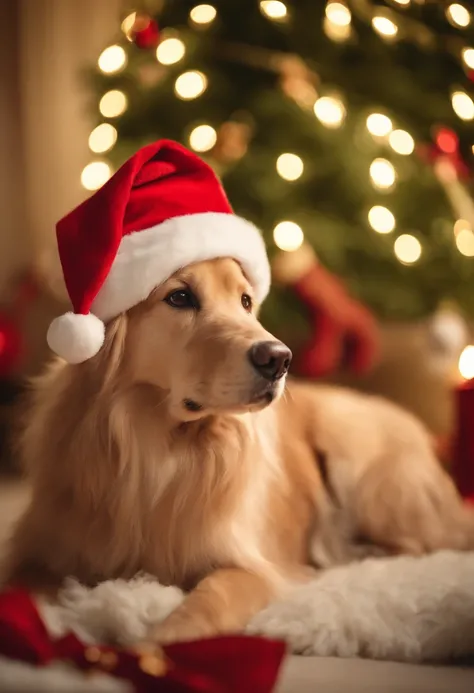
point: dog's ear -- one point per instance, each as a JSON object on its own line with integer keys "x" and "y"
{"x": 108, "y": 361}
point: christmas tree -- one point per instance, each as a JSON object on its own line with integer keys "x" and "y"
{"x": 346, "y": 126}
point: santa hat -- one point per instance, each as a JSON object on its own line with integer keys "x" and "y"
{"x": 163, "y": 209}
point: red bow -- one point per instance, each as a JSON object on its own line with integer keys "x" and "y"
{"x": 219, "y": 665}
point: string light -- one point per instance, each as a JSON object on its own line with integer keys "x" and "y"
{"x": 112, "y": 59}
{"x": 385, "y": 27}
{"x": 336, "y": 32}
{"x": 128, "y": 23}
{"x": 338, "y": 13}
{"x": 382, "y": 173}
{"x": 401, "y": 142}
{"x": 381, "y": 219}
{"x": 405, "y": 3}
{"x": 468, "y": 57}
{"x": 378, "y": 124}
{"x": 466, "y": 362}
{"x": 203, "y": 14}
{"x": 274, "y": 9}
{"x": 202, "y": 138}
{"x": 102, "y": 138}
{"x": 465, "y": 242}
{"x": 458, "y": 15}
{"x": 288, "y": 236}
{"x": 170, "y": 51}
{"x": 407, "y": 249}
{"x": 95, "y": 174}
{"x": 463, "y": 105}
{"x": 113, "y": 103}
{"x": 289, "y": 166}
{"x": 190, "y": 85}
{"x": 461, "y": 225}
{"x": 330, "y": 111}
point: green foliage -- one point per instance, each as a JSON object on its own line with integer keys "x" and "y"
{"x": 331, "y": 199}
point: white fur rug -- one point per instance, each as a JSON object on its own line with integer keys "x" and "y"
{"x": 404, "y": 609}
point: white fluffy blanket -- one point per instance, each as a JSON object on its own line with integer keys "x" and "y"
{"x": 405, "y": 609}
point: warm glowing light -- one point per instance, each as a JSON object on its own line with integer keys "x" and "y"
{"x": 203, "y": 14}
{"x": 468, "y": 57}
{"x": 463, "y": 105}
{"x": 458, "y": 15}
{"x": 170, "y": 51}
{"x": 405, "y": 3}
{"x": 407, "y": 249}
{"x": 289, "y": 166}
{"x": 95, "y": 174}
{"x": 461, "y": 225}
{"x": 329, "y": 111}
{"x": 102, "y": 138}
{"x": 128, "y": 23}
{"x": 274, "y": 9}
{"x": 381, "y": 219}
{"x": 379, "y": 124}
{"x": 382, "y": 173}
{"x": 466, "y": 362}
{"x": 384, "y": 26}
{"x": 113, "y": 103}
{"x": 288, "y": 236}
{"x": 336, "y": 32}
{"x": 338, "y": 13}
{"x": 112, "y": 59}
{"x": 202, "y": 138}
{"x": 190, "y": 85}
{"x": 465, "y": 241}
{"x": 401, "y": 142}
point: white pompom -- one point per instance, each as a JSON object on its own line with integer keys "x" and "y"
{"x": 76, "y": 338}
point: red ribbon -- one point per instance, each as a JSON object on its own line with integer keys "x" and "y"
{"x": 219, "y": 665}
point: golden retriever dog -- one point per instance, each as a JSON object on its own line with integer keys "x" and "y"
{"x": 180, "y": 450}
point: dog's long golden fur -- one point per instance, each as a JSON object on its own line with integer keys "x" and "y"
{"x": 222, "y": 496}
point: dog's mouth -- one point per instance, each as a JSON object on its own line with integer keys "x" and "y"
{"x": 259, "y": 398}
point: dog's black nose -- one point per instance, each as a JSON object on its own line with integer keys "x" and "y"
{"x": 271, "y": 359}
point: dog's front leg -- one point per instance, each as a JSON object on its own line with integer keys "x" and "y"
{"x": 223, "y": 602}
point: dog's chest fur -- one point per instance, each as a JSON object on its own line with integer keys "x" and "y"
{"x": 210, "y": 499}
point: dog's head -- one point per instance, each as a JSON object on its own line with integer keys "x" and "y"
{"x": 198, "y": 338}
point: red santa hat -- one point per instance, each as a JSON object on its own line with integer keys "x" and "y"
{"x": 163, "y": 209}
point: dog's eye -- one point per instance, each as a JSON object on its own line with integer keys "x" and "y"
{"x": 246, "y": 302}
{"x": 181, "y": 299}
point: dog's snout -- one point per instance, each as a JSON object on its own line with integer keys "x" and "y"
{"x": 271, "y": 359}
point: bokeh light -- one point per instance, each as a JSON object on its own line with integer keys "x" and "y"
{"x": 379, "y": 124}
{"x": 95, "y": 174}
{"x": 407, "y": 249}
{"x": 102, "y": 138}
{"x": 170, "y": 51}
{"x": 288, "y": 236}
{"x": 381, "y": 219}
{"x": 113, "y": 103}
{"x": 289, "y": 166}
{"x": 202, "y": 138}
{"x": 330, "y": 111}
{"x": 203, "y": 14}
{"x": 401, "y": 142}
{"x": 112, "y": 60}
{"x": 190, "y": 85}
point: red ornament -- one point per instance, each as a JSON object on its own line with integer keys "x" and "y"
{"x": 445, "y": 147}
{"x": 145, "y": 32}
{"x": 218, "y": 665}
{"x": 11, "y": 346}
